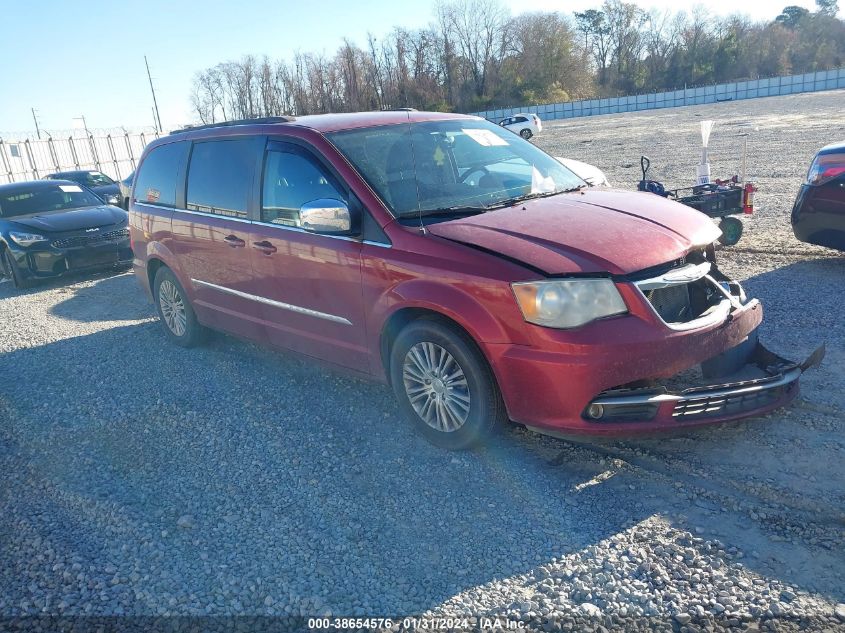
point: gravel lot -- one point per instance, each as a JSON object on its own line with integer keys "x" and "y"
{"x": 140, "y": 478}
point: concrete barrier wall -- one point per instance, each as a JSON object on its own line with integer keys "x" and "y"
{"x": 734, "y": 91}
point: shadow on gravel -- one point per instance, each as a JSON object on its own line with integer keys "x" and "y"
{"x": 114, "y": 298}
{"x": 7, "y": 289}
{"x": 235, "y": 474}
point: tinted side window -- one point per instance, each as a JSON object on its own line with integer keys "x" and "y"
{"x": 291, "y": 180}
{"x": 220, "y": 177}
{"x": 156, "y": 181}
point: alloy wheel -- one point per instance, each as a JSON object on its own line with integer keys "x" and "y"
{"x": 436, "y": 387}
{"x": 172, "y": 307}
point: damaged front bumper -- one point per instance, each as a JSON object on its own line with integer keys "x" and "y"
{"x": 686, "y": 354}
{"x": 753, "y": 380}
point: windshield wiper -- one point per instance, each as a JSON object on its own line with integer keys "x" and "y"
{"x": 576, "y": 188}
{"x": 528, "y": 196}
{"x": 472, "y": 210}
{"x": 457, "y": 210}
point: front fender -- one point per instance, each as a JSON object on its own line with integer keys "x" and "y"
{"x": 490, "y": 317}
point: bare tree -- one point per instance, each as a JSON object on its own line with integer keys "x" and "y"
{"x": 474, "y": 55}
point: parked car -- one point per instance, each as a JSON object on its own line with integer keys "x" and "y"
{"x": 52, "y": 227}
{"x": 526, "y": 125}
{"x": 96, "y": 181}
{"x": 591, "y": 174}
{"x": 125, "y": 187}
{"x": 818, "y": 216}
{"x": 459, "y": 263}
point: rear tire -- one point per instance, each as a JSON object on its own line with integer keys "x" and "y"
{"x": 445, "y": 386}
{"x": 175, "y": 311}
{"x": 526, "y": 134}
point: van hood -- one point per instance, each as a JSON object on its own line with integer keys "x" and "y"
{"x": 73, "y": 219}
{"x": 592, "y": 231}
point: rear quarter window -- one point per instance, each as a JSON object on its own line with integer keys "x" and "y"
{"x": 157, "y": 176}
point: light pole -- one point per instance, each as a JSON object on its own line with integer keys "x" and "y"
{"x": 155, "y": 103}
{"x": 35, "y": 118}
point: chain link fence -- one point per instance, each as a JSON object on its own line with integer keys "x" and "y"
{"x": 113, "y": 153}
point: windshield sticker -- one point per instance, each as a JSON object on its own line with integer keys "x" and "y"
{"x": 71, "y": 188}
{"x": 484, "y": 137}
{"x": 153, "y": 195}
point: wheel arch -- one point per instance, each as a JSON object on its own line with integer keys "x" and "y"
{"x": 484, "y": 323}
{"x": 403, "y": 317}
{"x": 158, "y": 255}
{"x": 154, "y": 264}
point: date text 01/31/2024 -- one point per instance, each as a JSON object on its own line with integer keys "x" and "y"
{"x": 415, "y": 624}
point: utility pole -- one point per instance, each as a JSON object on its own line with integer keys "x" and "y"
{"x": 35, "y": 118}
{"x": 155, "y": 103}
{"x": 81, "y": 117}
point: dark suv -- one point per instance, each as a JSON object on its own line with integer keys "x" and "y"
{"x": 459, "y": 263}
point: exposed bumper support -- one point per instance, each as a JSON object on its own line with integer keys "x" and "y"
{"x": 725, "y": 400}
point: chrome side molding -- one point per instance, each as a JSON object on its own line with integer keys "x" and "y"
{"x": 276, "y": 304}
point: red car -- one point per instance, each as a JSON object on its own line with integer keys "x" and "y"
{"x": 457, "y": 262}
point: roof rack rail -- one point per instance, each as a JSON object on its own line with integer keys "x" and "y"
{"x": 263, "y": 120}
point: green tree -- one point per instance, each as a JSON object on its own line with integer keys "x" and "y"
{"x": 828, "y": 7}
{"x": 792, "y": 15}
{"x": 593, "y": 24}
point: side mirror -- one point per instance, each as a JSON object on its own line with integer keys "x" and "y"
{"x": 326, "y": 215}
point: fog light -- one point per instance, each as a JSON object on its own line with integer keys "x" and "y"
{"x": 595, "y": 411}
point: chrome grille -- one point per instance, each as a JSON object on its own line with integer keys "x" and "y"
{"x": 721, "y": 405}
{"x": 90, "y": 240}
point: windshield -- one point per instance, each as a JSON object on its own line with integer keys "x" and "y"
{"x": 462, "y": 165}
{"x": 95, "y": 179}
{"x": 87, "y": 178}
{"x": 46, "y": 199}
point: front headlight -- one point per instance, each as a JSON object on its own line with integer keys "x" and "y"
{"x": 26, "y": 239}
{"x": 111, "y": 198}
{"x": 568, "y": 303}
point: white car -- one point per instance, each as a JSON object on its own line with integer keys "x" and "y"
{"x": 526, "y": 125}
{"x": 590, "y": 173}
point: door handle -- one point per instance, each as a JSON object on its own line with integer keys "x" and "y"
{"x": 234, "y": 241}
{"x": 265, "y": 247}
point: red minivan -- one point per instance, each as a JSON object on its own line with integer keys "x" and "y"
{"x": 457, "y": 262}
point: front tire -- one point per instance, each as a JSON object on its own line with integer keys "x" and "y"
{"x": 445, "y": 386}
{"x": 12, "y": 272}
{"x": 526, "y": 134}
{"x": 175, "y": 311}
